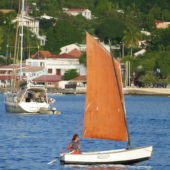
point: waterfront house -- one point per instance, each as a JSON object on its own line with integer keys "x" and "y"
{"x": 6, "y": 81}
{"x": 80, "y": 82}
{"x": 57, "y": 64}
{"x": 84, "y": 12}
{"x": 32, "y": 72}
{"x": 50, "y": 81}
{"x": 9, "y": 73}
{"x": 77, "y": 83}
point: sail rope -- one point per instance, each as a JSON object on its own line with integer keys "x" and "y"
{"x": 76, "y": 130}
{"x": 114, "y": 67}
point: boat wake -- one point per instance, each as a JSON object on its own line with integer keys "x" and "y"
{"x": 110, "y": 167}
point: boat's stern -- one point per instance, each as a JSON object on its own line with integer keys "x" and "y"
{"x": 33, "y": 107}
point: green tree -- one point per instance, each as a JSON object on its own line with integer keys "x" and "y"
{"x": 135, "y": 63}
{"x": 148, "y": 79}
{"x": 103, "y": 5}
{"x": 61, "y": 34}
{"x": 156, "y": 12}
{"x": 1, "y": 37}
{"x": 163, "y": 62}
{"x": 70, "y": 74}
{"x": 45, "y": 24}
{"x": 83, "y": 59}
{"x": 166, "y": 15}
{"x": 161, "y": 39}
{"x": 110, "y": 28}
{"x": 131, "y": 38}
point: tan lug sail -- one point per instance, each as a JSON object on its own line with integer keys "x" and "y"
{"x": 104, "y": 111}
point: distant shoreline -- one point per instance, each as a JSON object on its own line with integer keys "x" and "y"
{"x": 147, "y": 91}
{"x": 126, "y": 91}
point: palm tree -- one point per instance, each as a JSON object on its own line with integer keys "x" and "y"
{"x": 131, "y": 38}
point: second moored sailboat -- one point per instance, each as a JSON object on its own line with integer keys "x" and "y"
{"x": 30, "y": 97}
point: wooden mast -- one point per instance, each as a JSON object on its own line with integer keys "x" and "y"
{"x": 22, "y": 36}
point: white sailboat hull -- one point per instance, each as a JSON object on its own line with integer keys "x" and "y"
{"x": 28, "y": 100}
{"x": 25, "y": 107}
{"x": 123, "y": 156}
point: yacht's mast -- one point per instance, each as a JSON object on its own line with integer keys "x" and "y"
{"x": 22, "y": 35}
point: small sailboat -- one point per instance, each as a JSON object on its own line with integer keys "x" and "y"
{"x": 105, "y": 115}
{"x": 30, "y": 98}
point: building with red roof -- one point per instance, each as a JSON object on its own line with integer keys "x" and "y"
{"x": 7, "y": 74}
{"x": 41, "y": 54}
{"x": 162, "y": 24}
{"x": 31, "y": 72}
{"x": 57, "y": 64}
{"x": 79, "y": 82}
{"x": 75, "y": 52}
{"x": 68, "y": 48}
{"x": 81, "y": 78}
{"x": 10, "y": 72}
{"x": 6, "y": 80}
{"x": 50, "y": 81}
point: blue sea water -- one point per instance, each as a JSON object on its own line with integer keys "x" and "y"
{"x": 30, "y": 141}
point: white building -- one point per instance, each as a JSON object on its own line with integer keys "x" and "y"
{"x": 57, "y": 64}
{"x": 145, "y": 33}
{"x": 11, "y": 73}
{"x": 162, "y": 24}
{"x": 32, "y": 24}
{"x": 141, "y": 52}
{"x": 84, "y": 12}
{"x": 70, "y": 47}
{"x": 32, "y": 72}
{"x": 7, "y": 74}
{"x": 47, "y": 17}
{"x": 82, "y": 47}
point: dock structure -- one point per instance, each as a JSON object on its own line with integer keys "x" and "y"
{"x": 127, "y": 91}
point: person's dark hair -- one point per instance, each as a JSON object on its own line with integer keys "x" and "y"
{"x": 74, "y": 137}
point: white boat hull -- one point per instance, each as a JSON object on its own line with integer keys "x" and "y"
{"x": 29, "y": 99}
{"x": 123, "y": 156}
{"x": 24, "y": 107}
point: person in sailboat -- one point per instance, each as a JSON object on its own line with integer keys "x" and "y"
{"x": 74, "y": 146}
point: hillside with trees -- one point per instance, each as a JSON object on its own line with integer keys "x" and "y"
{"x": 116, "y": 22}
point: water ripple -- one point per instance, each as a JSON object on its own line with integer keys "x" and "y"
{"x": 31, "y": 141}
